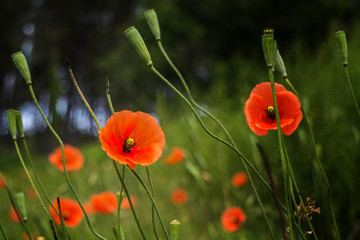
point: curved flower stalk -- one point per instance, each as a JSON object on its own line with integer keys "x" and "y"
{"x": 20, "y": 60}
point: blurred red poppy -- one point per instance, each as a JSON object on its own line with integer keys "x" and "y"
{"x": 105, "y": 202}
{"x": 179, "y": 196}
{"x": 239, "y": 179}
{"x": 74, "y": 160}
{"x": 70, "y": 211}
{"x": 2, "y": 184}
{"x": 125, "y": 205}
{"x": 13, "y": 215}
{"x": 132, "y": 138}
{"x": 260, "y": 113}
{"x": 176, "y": 155}
{"x": 232, "y": 219}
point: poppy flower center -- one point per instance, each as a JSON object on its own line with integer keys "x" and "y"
{"x": 270, "y": 112}
{"x": 234, "y": 219}
{"x": 128, "y": 144}
{"x": 66, "y": 215}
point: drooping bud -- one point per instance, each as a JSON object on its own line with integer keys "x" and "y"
{"x": 11, "y": 116}
{"x": 138, "y": 43}
{"x": 19, "y": 124}
{"x": 342, "y": 46}
{"x": 280, "y": 64}
{"x": 152, "y": 21}
{"x": 267, "y": 41}
{"x": 22, "y": 65}
{"x": 175, "y": 230}
{"x": 20, "y": 204}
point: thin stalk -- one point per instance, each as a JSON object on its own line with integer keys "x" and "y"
{"x": 66, "y": 233}
{"x": 123, "y": 172}
{"x": 119, "y": 203}
{"x": 153, "y": 202}
{"x": 208, "y": 131}
{"x": 82, "y": 95}
{"x": 63, "y": 160}
{"x": 153, "y": 208}
{"x": 280, "y": 143}
{"x": 317, "y": 156}
{"x": 36, "y": 175}
{"x": 2, "y": 232}
{"x": 10, "y": 193}
{"x": 30, "y": 179}
{"x": 129, "y": 199}
{"x": 357, "y": 107}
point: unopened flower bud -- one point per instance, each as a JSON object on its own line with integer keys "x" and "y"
{"x": 342, "y": 46}
{"x": 268, "y": 46}
{"x": 280, "y": 64}
{"x": 152, "y": 21}
{"x": 20, "y": 204}
{"x": 175, "y": 229}
{"x": 19, "y": 124}
{"x": 11, "y": 116}
{"x": 22, "y": 65}
{"x": 138, "y": 43}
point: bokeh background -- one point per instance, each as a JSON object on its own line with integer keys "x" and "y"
{"x": 217, "y": 46}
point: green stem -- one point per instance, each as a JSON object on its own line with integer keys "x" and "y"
{"x": 318, "y": 159}
{"x": 30, "y": 179}
{"x": 119, "y": 204}
{"x": 129, "y": 199}
{"x": 281, "y": 147}
{"x": 358, "y": 110}
{"x": 83, "y": 98}
{"x": 63, "y": 160}
{"x": 153, "y": 202}
{"x": 153, "y": 208}
{"x": 66, "y": 233}
{"x": 2, "y": 231}
{"x": 36, "y": 175}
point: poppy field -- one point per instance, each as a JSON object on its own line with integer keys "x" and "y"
{"x": 278, "y": 160}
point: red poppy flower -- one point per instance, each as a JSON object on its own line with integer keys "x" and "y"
{"x": 132, "y": 138}
{"x": 105, "y": 202}
{"x": 176, "y": 155}
{"x": 239, "y": 179}
{"x": 125, "y": 205}
{"x": 2, "y": 184}
{"x": 260, "y": 113}
{"x": 70, "y": 211}
{"x": 13, "y": 215}
{"x": 74, "y": 160}
{"x": 232, "y": 219}
{"x": 179, "y": 196}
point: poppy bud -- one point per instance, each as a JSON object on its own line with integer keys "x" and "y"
{"x": 19, "y": 124}
{"x": 280, "y": 64}
{"x": 11, "y": 116}
{"x": 138, "y": 43}
{"x": 267, "y": 41}
{"x": 22, "y": 65}
{"x": 175, "y": 230}
{"x": 342, "y": 46}
{"x": 20, "y": 205}
{"x": 152, "y": 21}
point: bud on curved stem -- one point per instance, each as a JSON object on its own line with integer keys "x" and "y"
{"x": 20, "y": 203}
{"x": 280, "y": 65}
{"x": 152, "y": 21}
{"x": 11, "y": 116}
{"x": 22, "y": 65}
{"x": 342, "y": 46}
{"x": 138, "y": 43}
